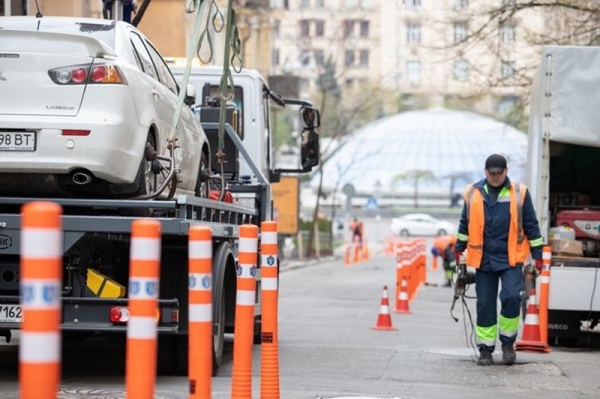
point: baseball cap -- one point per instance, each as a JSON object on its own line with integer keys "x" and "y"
{"x": 495, "y": 163}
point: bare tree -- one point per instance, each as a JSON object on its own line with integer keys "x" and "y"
{"x": 501, "y": 41}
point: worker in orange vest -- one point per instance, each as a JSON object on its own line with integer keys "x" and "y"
{"x": 443, "y": 246}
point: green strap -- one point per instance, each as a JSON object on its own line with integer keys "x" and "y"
{"x": 191, "y": 6}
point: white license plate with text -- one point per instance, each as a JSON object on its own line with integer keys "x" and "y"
{"x": 17, "y": 141}
{"x": 11, "y": 314}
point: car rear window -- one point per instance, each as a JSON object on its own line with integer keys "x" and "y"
{"x": 100, "y": 31}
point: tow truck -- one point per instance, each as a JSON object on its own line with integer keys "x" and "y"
{"x": 97, "y": 234}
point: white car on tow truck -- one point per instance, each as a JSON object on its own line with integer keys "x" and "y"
{"x": 86, "y": 110}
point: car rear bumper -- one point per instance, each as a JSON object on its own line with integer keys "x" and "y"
{"x": 112, "y": 151}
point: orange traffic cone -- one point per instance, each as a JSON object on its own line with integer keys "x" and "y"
{"x": 384, "y": 320}
{"x": 530, "y": 338}
{"x": 402, "y": 300}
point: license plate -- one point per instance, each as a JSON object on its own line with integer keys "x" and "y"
{"x": 17, "y": 141}
{"x": 11, "y": 314}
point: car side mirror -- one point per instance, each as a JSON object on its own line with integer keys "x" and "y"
{"x": 309, "y": 151}
{"x": 190, "y": 95}
{"x": 310, "y": 117}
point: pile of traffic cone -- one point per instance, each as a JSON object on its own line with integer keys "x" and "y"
{"x": 402, "y": 300}
{"x": 384, "y": 320}
{"x": 530, "y": 338}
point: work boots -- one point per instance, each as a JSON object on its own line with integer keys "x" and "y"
{"x": 508, "y": 354}
{"x": 485, "y": 357}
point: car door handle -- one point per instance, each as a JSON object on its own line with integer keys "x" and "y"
{"x": 156, "y": 94}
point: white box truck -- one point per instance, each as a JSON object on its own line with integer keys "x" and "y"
{"x": 564, "y": 180}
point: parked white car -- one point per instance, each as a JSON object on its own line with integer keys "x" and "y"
{"x": 421, "y": 224}
{"x": 86, "y": 106}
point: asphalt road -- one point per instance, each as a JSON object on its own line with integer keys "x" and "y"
{"x": 328, "y": 349}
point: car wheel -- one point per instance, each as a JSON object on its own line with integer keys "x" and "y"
{"x": 404, "y": 233}
{"x": 146, "y": 179}
{"x": 202, "y": 180}
{"x": 441, "y": 232}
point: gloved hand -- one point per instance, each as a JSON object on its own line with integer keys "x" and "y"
{"x": 539, "y": 265}
{"x": 457, "y": 256}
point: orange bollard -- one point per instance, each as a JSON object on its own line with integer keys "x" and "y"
{"x": 269, "y": 354}
{"x": 40, "y": 285}
{"x": 347, "y": 256}
{"x": 399, "y": 267}
{"x": 144, "y": 271}
{"x": 241, "y": 386}
{"x": 200, "y": 312}
{"x": 545, "y": 294}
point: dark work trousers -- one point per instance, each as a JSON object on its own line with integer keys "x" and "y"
{"x": 486, "y": 287}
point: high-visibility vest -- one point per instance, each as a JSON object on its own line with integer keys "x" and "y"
{"x": 442, "y": 242}
{"x": 518, "y": 245}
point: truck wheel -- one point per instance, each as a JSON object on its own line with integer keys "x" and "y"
{"x": 203, "y": 175}
{"x": 219, "y": 335}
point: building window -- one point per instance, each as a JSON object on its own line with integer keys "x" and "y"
{"x": 413, "y": 71}
{"x": 509, "y": 3}
{"x": 319, "y": 57}
{"x": 349, "y": 58}
{"x": 460, "y": 70}
{"x": 319, "y": 28}
{"x": 304, "y": 57}
{"x": 461, "y": 3}
{"x": 507, "y": 33}
{"x": 320, "y": 3}
{"x": 305, "y": 4}
{"x": 364, "y": 28}
{"x": 413, "y": 32}
{"x": 276, "y": 28}
{"x": 348, "y": 28}
{"x": 507, "y": 69}
{"x": 349, "y": 3}
{"x": 413, "y": 3}
{"x": 363, "y": 60}
{"x": 275, "y": 57}
{"x": 304, "y": 28}
{"x": 460, "y": 32}
{"x": 280, "y": 4}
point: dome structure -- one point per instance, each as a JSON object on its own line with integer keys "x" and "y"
{"x": 443, "y": 149}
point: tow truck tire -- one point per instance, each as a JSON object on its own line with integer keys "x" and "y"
{"x": 218, "y": 340}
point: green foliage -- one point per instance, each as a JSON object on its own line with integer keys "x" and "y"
{"x": 323, "y": 225}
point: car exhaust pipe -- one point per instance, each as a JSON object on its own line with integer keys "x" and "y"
{"x": 81, "y": 178}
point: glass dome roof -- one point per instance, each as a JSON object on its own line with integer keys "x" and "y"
{"x": 446, "y": 148}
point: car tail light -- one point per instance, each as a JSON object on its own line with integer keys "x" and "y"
{"x": 83, "y": 74}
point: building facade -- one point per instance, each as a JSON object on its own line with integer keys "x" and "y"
{"x": 418, "y": 48}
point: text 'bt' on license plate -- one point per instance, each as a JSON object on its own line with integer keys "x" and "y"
{"x": 17, "y": 141}
{"x": 11, "y": 313}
